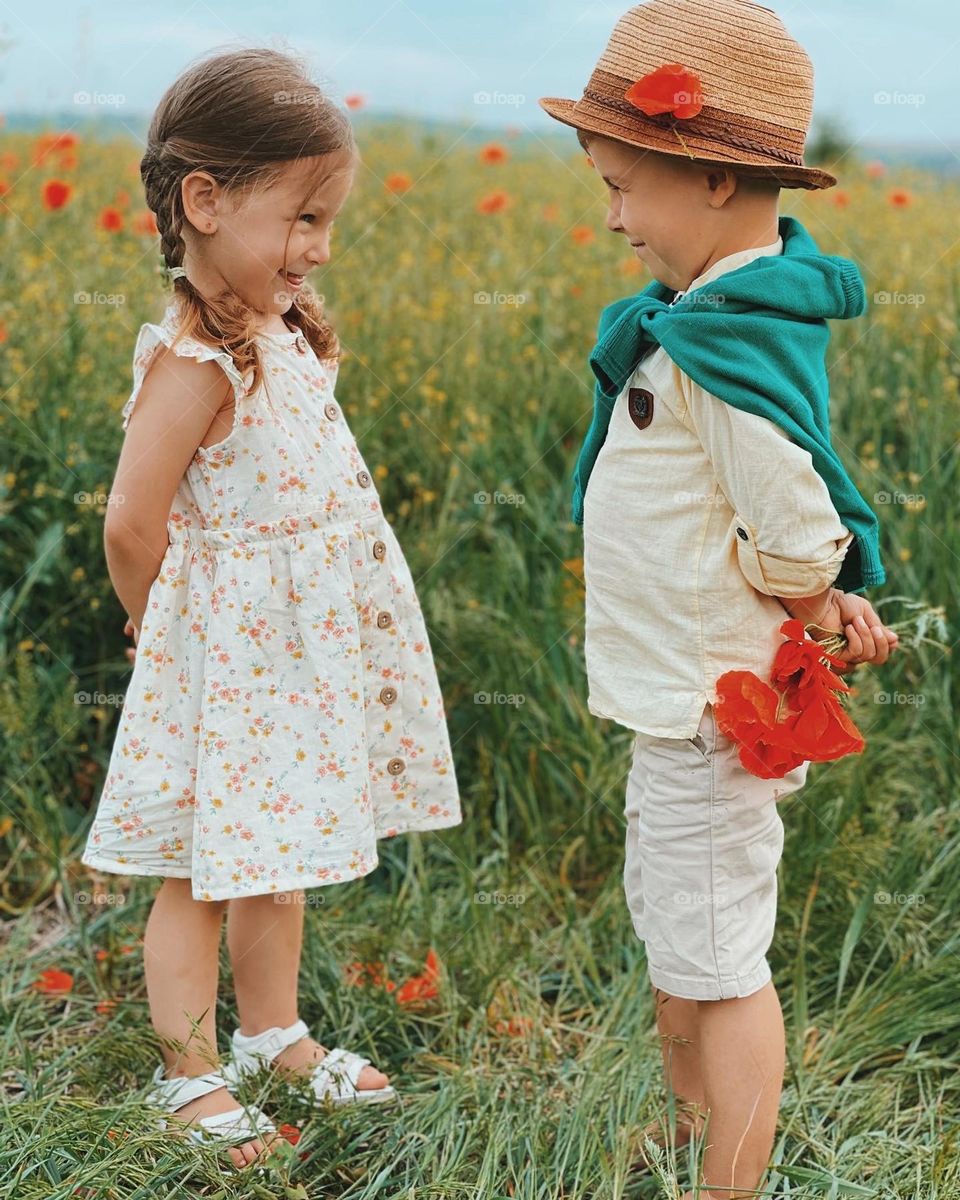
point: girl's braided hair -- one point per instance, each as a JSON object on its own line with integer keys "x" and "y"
{"x": 244, "y": 117}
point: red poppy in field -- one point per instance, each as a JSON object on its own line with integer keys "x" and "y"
{"x": 398, "y": 182}
{"x": 7, "y": 823}
{"x": 56, "y": 193}
{"x": 110, "y": 219}
{"x": 672, "y": 88}
{"x": 424, "y": 986}
{"x": 290, "y": 1132}
{"x": 582, "y": 234}
{"x": 551, "y": 212}
{"x": 493, "y": 153}
{"x": 840, "y": 198}
{"x": 122, "y": 198}
{"x": 9, "y": 161}
{"x": 493, "y": 202}
{"x": 62, "y": 144}
{"x": 359, "y": 974}
{"x": 145, "y": 222}
{"x": 875, "y": 169}
{"x": 53, "y": 982}
{"x": 900, "y": 198}
{"x": 354, "y": 100}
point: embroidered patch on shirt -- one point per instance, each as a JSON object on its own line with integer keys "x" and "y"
{"x": 640, "y": 407}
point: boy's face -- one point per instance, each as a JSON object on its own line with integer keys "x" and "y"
{"x": 666, "y": 207}
{"x": 258, "y": 233}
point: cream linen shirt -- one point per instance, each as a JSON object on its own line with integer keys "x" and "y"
{"x": 697, "y": 515}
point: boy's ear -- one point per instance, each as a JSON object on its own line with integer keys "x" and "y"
{"x": 582, "y": 139}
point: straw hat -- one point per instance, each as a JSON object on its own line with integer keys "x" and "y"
{"x": 720, "y": 81}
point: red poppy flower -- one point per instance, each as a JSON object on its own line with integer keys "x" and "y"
{"x": 110, "y": 219}
{"x": 493, "y": 202}
{"x": 145, "y": 222}
{"x": 424, "y": 986}
{"x": 672, "y": 88}
{"x": 56, "y": 193}
{"x": 397, "y": 182}
{"x": 53, "y": 982}
{"x": 779, "y": 727}
{"x": 493, "y": 153}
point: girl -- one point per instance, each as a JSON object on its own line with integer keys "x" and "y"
{"x": 284, "y": 711}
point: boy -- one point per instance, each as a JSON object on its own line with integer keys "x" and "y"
{"x": 716, "y": 507}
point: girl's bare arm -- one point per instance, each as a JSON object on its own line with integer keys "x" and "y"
{"x": 176, "y": 405}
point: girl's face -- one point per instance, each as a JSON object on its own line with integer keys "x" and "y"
{"x": 666, "y": 207}
{"x": 261, "y": 244}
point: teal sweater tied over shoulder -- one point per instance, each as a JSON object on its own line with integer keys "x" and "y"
{"x": 755, "y": 337}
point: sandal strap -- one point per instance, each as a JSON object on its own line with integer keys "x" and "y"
{"x": 248, "y": 1048}
{"x": 174, "y": 1093}
{"x": 238, "y": 1124}
{"x": 337, "y": 1073}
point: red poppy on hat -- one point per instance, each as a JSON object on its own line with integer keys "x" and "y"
{"x": 672, "y": 88}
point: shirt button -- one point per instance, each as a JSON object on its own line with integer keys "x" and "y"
{"x": 395, "y": 766}
{"x": 379, "y": 548}
{"x": 388, "y": 695}
{"x": 301, "y": 343}
{"x": 331, "y": 411}
{"x": 363, "y": 478}
{"x": 742, "y": 533}
{"x": 384, "y": 619}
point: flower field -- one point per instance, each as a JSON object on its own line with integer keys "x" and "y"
{"x": 491, "y": 969}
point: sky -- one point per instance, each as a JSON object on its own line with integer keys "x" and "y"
{"x": 885, "y": 68}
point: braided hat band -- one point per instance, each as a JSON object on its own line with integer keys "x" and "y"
{"x": 719, "y": 81}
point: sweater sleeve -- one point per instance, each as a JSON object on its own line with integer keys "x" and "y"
{"x": 789, "y": 538}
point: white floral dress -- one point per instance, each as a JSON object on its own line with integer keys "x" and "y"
{"x": 284, "y": 710}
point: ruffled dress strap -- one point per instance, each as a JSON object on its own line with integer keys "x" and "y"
{"x": 151, "y": 336}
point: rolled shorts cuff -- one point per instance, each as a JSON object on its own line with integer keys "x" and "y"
{"x": 699, "y": 988}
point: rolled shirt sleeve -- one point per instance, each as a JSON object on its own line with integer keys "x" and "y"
{"x": 790, "y": 540}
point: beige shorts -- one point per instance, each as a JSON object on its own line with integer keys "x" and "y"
{"x": 704, "y": 838}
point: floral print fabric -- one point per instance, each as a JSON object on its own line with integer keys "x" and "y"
{"x": 284, "y": 711}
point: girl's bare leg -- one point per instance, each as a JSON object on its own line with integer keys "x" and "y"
{"x": 181, "y": 948}
{"x": 265, "y": 939}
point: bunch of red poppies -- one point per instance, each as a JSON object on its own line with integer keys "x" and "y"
{"x": 794, "y": 718}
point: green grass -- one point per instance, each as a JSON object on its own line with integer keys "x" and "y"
{"x": 454, "y": 398}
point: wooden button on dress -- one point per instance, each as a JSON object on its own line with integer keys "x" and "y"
{"x": 379, "y": 549}
{"x": 395, "y": 766}
{"x": 363, "y": 478}
{"x": 384, "y": 619}
{"x": 388, "y": 695}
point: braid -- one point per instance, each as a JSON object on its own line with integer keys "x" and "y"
{"x": 162, "y": 194}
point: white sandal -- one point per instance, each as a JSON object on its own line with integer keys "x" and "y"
{"x": 235, "y": 1126}
{"x": 334, "y": 1077}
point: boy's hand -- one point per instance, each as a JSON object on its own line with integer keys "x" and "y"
{"x": 868, "y": 640}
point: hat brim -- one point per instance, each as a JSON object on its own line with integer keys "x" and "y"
{"x": 570, "y": 112}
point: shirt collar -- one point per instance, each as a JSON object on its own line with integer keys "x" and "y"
{"x": 730, "y": 262}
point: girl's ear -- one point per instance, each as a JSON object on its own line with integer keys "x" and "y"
{"x": 201, "y": 195}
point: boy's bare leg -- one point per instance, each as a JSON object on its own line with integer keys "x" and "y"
{"x": 181, "y": 960}
{"x": 742, "y": 1057}
{"x": 679, "y": 1028}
